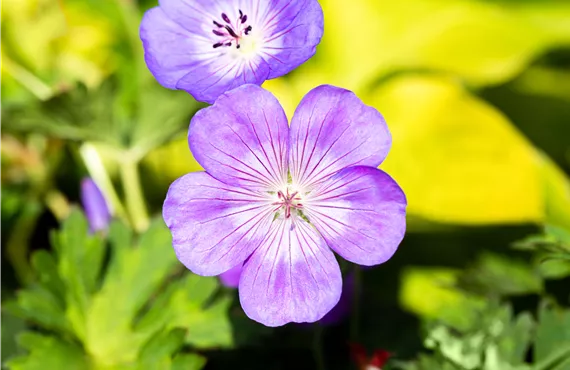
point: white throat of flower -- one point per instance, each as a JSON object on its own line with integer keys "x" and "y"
{"x": 289, "y": 201}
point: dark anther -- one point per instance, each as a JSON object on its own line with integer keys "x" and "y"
{"x": 231, "y": 31}
{"x": 227, "y": 31}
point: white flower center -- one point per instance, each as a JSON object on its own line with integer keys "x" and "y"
{"x": 289, "y": 201}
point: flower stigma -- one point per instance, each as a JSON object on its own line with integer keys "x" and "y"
{"x": 287, "y": 201}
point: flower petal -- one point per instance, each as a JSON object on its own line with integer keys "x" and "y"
{"x": 95, "y": 205}
{"x": 332, "y": 129}
{"x": 231, "y": 277}
{"x": 195, "y": 16}
{"x": 361, "y": 213}
{"x": 292, "y": 30}
{"x": 292, "y": 277}
{"x": 242, "y": 139}
{"x": 214, "y": 226}
{"x": 207, "y": 81}
{"x": 171, "y": 50}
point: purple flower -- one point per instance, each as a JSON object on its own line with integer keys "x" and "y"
{"x": 208, "y": 47}
{"x": 344, "y": 305}
{"x": 230, "y": 278}
{"x": 281, "y": 199}
{"x": 96, "y": 210}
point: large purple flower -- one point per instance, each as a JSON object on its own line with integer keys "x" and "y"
{"x": 208, "y": 47}
{"x": 283, "y": 198}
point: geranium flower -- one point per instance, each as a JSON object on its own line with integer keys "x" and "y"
{"x": 208, "y": 47}
{"x": 282, "y": 198}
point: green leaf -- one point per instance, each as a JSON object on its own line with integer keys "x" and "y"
{"x": 47, "y": 352}
{"x": 188, "y": 361}
{"x": 494, "y": 341}
{"x": 553, "y": 331}
{"x": 446, "y": 303}
{"x": 186, "y": 303}
{"x": 515, "y": 338}
{"x": 501, "y": 275}
{"x": 80, "y": 256}
{"x": 46, "y": 267}
{"x": 158, "y": 351}
{"x": 134, "y": 275}
{"x": 11, "y": 327}
{"x": 40, "y": 306}
{"x": 104, "y": 309}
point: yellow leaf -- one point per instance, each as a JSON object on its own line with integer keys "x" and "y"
{"x": 430, "y": 293}
{"x": 458, "y": 159}
{"x": 171, "y": 161}
{"x": 482, "y": 42}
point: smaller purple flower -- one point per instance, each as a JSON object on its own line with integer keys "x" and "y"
{"x": 344, "y": 305}
{"x": 95, "y": 206}
{"x": 208, "y": 47}
{"x": 231, "y": 277}
{"x": 280, "y": 199}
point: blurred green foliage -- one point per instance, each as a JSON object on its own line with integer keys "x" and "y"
{"x": 477, "y": 96}
{"x": 116, "y": 313}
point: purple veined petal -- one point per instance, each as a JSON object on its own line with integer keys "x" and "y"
{"x": 195, "y": 16}
{"x": 95, "y": 206}
{"x": 172, "y": 51}
{"x": 231, "y": 277}
{"x": 344, "y": 305}
{"x": 361, "y": 213}
{"x": 207, "y": 81}
{"x": 242, "y": 139}
{"x": 292, "y": 277}
{"x": 293, "y": 29}
{"x": 332, "y": 129}
{"x": 214, "y": 226}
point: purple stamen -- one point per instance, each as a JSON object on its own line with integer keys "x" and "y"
{"x": 243, "y": 19}
{"x": 225, "y": 18}
{"x": 218, "y": 25}
{"x": 218, "y": 33}
{"x": 231, "y": 32}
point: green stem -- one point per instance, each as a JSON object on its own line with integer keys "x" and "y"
{"x": 318, "y": 347}
{"x": 135, "y": 203}
{"x": 98, "y": 172}
{"x": 27, "y": 79}
{"x": 17, "y": 245}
